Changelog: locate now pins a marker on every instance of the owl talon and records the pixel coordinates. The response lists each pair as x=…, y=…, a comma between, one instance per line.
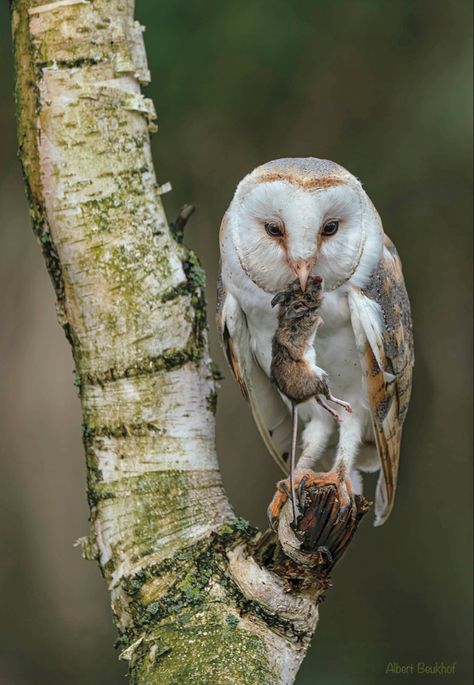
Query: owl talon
x=326, y=554
x=304, y=479
x=272, y=522
x=276, y=505
x=349, y=503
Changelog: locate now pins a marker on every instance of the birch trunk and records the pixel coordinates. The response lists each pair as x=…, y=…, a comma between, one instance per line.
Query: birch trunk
x=198, y=597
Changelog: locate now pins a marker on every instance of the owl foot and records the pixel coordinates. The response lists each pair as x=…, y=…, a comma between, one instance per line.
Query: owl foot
x=306, y=478
x=302, y=477
x=340, y=480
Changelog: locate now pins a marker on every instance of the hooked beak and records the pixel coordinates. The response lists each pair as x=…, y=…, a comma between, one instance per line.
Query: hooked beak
x=302, y=268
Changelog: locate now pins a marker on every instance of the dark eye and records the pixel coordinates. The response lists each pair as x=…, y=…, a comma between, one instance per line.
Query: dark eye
x=330, y=228
x=274, y=230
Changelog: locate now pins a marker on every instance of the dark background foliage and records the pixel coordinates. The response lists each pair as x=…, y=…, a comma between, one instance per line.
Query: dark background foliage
x=384, y=88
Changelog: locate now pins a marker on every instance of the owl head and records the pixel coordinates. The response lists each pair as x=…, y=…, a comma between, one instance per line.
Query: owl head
x=301, y=217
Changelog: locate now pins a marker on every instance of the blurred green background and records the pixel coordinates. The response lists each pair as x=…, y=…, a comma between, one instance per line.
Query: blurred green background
x=384, y=88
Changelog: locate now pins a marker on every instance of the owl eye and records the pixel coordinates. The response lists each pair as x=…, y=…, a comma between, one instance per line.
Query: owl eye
x=330, y=228
x=274, y=230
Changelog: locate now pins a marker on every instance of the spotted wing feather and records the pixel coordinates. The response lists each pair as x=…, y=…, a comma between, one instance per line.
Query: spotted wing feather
x=382, y=325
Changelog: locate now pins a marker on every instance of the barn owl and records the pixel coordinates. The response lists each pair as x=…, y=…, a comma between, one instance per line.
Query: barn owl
x=304, y=217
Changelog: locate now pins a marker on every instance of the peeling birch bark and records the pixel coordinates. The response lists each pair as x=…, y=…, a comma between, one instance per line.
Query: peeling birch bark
x=198, y=596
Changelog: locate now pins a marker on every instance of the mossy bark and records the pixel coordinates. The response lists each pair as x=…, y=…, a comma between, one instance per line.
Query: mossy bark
x=194, y=600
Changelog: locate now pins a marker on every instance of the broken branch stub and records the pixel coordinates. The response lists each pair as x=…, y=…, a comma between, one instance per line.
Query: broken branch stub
x=323, y=531
x=178, y=225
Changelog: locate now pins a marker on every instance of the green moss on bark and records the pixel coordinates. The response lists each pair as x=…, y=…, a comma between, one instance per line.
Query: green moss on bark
x=192, y=632
x=121, y=282
x=204, y=650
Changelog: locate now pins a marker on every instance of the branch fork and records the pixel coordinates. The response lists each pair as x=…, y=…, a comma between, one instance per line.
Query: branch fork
x=199, y=598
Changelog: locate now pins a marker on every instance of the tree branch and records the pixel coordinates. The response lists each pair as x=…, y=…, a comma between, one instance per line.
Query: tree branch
x=198, y=596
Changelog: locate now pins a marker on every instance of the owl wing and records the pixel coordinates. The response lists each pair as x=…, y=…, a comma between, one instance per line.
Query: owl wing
x=269, y=411
x=382, y=325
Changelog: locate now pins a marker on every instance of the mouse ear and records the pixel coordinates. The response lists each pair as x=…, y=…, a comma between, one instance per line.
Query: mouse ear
x=278, y=298
x=296, y=311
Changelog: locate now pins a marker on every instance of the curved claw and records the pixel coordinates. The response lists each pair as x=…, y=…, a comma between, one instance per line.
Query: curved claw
x=283, y=493
x=272, y=520
x=343, y=510
x=275, y=507
x=304, y=479
x=326, y=554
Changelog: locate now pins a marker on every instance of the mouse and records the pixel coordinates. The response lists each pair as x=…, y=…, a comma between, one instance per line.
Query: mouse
x=293, y=367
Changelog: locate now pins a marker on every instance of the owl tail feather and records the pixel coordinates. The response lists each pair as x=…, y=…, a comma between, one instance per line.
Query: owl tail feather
x=382, y=506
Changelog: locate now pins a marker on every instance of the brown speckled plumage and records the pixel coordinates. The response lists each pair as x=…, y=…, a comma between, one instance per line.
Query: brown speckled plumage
x=389, y=399
x=387, y=288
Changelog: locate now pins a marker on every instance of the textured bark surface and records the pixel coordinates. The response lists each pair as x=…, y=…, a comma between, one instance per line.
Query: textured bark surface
x=198, y=597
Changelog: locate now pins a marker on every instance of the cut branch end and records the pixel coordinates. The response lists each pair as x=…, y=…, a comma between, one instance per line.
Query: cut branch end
x=323, y=531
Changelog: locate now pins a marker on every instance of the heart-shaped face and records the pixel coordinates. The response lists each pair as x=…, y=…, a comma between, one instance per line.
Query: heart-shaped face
x=281, y=229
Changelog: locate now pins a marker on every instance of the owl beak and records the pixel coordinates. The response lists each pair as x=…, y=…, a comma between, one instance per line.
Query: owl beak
x=302, y=269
